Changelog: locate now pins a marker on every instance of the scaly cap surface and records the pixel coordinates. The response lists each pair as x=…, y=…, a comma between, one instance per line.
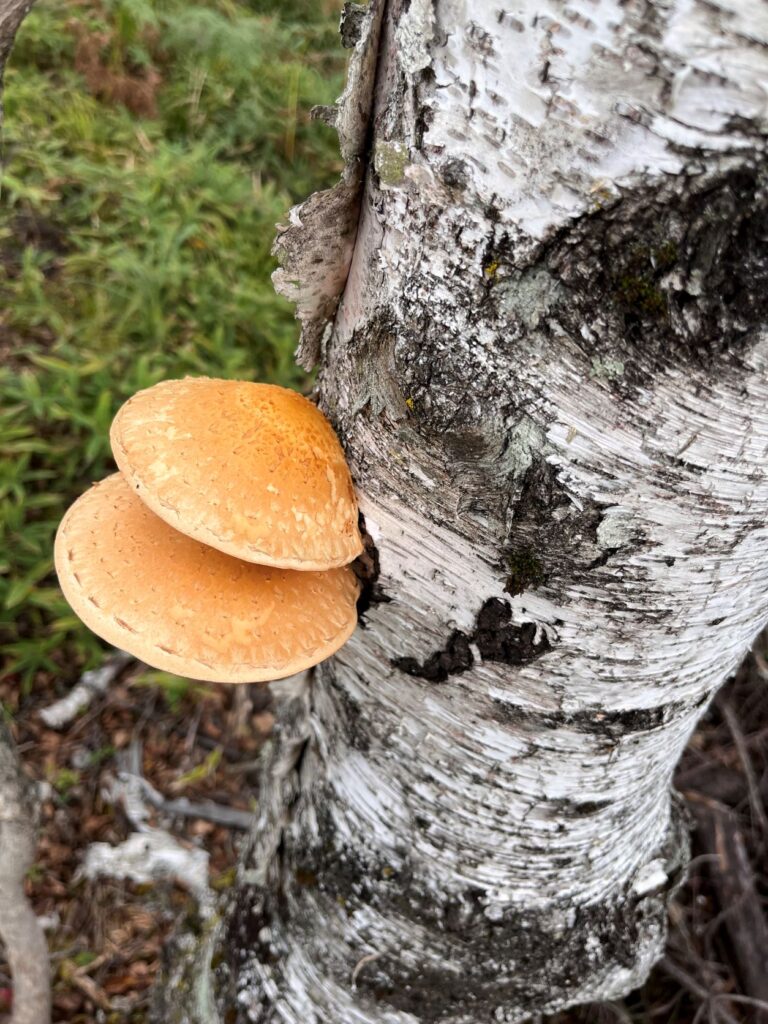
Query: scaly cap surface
x=186, y=608
x=254, y=470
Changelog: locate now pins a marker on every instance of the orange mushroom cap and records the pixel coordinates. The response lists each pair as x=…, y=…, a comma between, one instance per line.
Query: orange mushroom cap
x=187, y=608
x=254, y=470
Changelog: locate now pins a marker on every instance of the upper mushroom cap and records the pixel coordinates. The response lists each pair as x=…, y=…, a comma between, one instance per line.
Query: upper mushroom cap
x=186, y=608
x=254, y=470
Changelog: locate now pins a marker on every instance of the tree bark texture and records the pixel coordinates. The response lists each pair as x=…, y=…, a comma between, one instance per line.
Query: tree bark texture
x=12, y=13
x=548, y=368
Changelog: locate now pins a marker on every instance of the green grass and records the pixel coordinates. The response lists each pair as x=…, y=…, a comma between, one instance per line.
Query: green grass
x=149, y=148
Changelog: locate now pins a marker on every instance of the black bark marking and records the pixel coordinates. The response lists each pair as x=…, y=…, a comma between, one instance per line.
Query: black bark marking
x=602, y=559
x=480, y=40
x=496, y=638
x=585, y=808
x=454, y=658
x=455, y=174
x=595, y=721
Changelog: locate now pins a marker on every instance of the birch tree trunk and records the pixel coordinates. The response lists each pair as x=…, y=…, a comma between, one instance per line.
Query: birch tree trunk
x=548, y=367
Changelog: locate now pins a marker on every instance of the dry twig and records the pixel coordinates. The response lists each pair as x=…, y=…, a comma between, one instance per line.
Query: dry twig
x=755, y=797
x=737, y=893
x=91, y=684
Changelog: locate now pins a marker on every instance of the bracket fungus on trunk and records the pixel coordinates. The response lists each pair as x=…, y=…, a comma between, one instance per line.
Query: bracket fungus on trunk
x=254, y=470
x=222, y=549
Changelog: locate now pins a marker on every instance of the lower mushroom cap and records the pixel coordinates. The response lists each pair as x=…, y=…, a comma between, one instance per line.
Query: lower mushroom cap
x=187, y=608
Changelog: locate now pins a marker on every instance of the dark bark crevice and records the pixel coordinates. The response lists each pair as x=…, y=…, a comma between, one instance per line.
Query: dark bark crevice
x=644, y=282
x=367, y=568
x=609, y=725
x=677, y=277
x=550, y=539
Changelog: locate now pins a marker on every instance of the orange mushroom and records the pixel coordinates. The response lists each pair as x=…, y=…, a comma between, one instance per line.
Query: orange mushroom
x=254, y=470
x=188, y=608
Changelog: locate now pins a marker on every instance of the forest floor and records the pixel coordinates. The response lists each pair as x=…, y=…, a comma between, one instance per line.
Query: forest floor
x=192, y=743
x=202, y=743
x=149, y=147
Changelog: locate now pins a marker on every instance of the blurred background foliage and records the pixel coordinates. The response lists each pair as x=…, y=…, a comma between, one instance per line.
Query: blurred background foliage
x=149, y=148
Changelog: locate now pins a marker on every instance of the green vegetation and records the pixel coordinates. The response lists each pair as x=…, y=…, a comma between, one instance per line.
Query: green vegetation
x=173, y=689
x=149, y=148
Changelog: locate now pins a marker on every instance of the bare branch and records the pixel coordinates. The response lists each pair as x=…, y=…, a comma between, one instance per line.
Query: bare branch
x=91, y=684
x=20, y=931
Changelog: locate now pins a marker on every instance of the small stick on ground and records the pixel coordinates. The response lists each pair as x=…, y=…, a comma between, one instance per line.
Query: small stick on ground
x=755, y=797
x=737, y=893
x=136, y=793
x=208, y=810
x=91, y=684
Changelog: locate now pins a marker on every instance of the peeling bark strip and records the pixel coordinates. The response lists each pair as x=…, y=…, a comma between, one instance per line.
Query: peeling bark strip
x=315, y=247
x=550, y=371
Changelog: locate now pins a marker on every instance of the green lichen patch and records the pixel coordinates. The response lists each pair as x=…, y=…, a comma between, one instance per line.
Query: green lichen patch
x=607, y=369
x=638, y=293
x=665, y=257
x=389, y=161
x=529, y=296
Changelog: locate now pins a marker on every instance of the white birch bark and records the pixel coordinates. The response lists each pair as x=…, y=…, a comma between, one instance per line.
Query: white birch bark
x=548, y=368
